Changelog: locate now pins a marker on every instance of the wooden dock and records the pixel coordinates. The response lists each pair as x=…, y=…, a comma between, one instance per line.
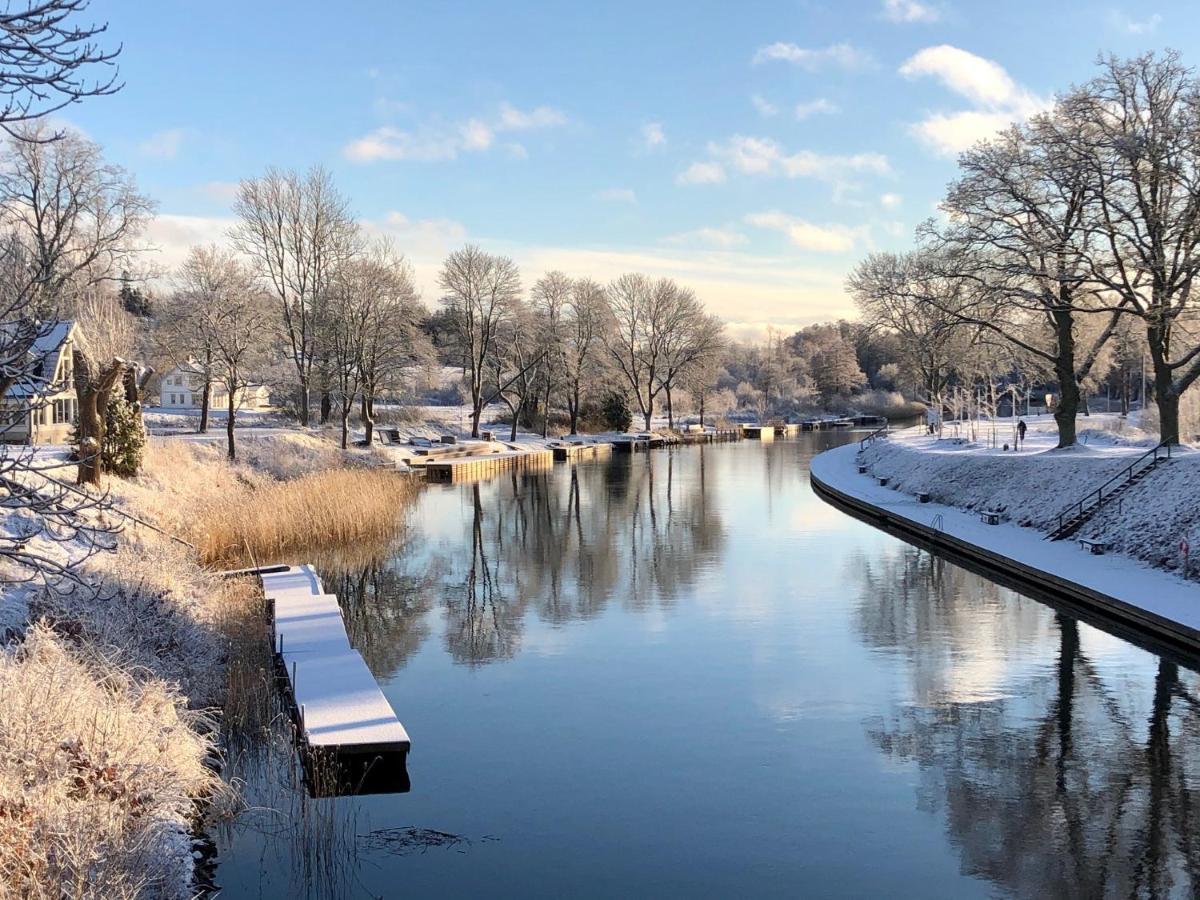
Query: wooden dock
x=342, y=714
x=571, y=451
x=759, y=432
x=485, y=465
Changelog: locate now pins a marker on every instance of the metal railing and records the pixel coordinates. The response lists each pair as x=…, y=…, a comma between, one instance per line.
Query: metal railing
x=870, y=438
x=1095, y=499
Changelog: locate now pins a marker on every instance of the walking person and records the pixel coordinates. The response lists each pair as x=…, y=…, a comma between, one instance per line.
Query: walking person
x=1021, y=427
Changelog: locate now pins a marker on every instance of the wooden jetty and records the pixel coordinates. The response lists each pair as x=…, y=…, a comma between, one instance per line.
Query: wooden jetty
x=342, y=715
x=787, y=429
x=570, y=451
x=487, y=464
x=759, y=432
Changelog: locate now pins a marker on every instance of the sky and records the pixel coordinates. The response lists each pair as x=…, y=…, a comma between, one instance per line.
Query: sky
x=753, y=150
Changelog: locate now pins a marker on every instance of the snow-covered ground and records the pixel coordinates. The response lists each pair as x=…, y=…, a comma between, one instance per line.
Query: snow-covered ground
x=1151, y=595
x=1032, y=486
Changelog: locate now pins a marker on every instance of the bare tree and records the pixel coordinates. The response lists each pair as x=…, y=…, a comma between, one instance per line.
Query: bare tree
x=551, y=297
x=206, y=280
x=642, y=310
x=482, y=293
x=46, y=58
x=1138, y=136
x=515, y=368
x=690, y=336
x=391, y=335
x=239, y=324
x=587, y=321
x=299, y=231
x=1018, y=233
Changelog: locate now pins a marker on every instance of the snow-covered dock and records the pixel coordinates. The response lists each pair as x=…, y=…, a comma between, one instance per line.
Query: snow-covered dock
x=483, y=466
x=569, y=451
x=1113, y=587
x=340, y=707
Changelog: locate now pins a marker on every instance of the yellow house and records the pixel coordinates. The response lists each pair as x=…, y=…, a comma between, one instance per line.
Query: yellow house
x=182, y=388
x=42, y=408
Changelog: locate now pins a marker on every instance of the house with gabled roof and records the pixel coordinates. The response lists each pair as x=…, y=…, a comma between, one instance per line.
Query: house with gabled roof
x=41, y=407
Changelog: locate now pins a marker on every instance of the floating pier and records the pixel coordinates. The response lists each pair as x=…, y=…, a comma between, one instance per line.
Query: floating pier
x=483, y=466
x=759, y=432
x=571, y=451
x=342, y=715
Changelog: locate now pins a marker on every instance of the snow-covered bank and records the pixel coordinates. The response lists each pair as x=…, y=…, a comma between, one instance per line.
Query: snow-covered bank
x=1113, y=584
x=1033, y=486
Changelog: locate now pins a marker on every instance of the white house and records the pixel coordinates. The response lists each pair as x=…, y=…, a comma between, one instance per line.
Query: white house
x=42, y=408
x=182, y=388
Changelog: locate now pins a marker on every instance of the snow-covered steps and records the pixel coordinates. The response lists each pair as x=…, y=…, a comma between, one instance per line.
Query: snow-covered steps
x=340, y=708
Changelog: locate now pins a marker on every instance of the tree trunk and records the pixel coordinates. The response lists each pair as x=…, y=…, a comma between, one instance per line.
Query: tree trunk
x=1165, y=396
x=1064, y=371
x=573, y=408
x=305, y=399
x=702, y=410
x=546, y=411
x=326, y=407
x=670, y=409
x=205, y=400
x=92, y=391
x=345, y=416
x=367, y=411
x=516, y=415
x=476, y=413
x=229, y=424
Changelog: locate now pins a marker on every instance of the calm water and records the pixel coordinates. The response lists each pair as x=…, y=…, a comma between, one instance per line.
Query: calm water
x=682, y=674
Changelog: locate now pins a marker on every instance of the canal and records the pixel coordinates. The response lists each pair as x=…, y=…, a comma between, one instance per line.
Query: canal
x=683, y=674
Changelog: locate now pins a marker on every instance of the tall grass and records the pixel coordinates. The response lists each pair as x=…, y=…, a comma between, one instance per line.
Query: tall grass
x=270, y=523
x=99, y=769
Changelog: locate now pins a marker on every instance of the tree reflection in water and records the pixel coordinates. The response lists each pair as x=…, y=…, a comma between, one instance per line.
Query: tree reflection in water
x=557, y=544
x=1060, y=780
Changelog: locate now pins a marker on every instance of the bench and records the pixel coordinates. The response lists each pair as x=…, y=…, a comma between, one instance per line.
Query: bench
x=990, y=517
x=862, y=468
x=1091, y=545
x=449, y=439
x=883, y=480
x=922, y=497
x=487, y=435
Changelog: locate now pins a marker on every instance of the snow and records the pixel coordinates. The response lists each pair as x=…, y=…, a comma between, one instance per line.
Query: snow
x=341, y=703
x=1033, y=486
x=917, y=460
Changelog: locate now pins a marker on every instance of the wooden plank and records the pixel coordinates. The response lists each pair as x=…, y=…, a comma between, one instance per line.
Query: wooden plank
x=343, y=708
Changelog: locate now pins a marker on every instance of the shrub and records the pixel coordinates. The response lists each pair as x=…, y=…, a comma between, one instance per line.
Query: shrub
x=615, y=413
x=124, y=445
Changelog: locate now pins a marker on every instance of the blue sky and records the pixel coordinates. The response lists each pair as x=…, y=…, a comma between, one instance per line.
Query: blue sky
x=753, y=150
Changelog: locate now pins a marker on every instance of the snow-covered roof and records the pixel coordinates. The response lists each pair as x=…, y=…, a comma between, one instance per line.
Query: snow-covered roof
x=44, y=357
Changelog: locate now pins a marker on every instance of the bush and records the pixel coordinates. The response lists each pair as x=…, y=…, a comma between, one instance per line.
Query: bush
x=124, y=445
x=615, y=413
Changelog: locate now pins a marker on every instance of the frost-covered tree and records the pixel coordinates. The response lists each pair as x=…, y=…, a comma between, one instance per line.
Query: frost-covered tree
x=482, y=293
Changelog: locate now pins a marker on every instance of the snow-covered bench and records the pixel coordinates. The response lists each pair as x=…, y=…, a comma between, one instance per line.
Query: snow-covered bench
x=1093, y=545
x=989, y=516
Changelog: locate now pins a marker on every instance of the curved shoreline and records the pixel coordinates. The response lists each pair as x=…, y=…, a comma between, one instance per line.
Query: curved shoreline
x=1145, y=627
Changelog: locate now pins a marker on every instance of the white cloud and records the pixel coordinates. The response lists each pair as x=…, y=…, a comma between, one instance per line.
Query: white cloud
x=163, y=144
x=432, y=144
x=909, y=11
x=765, y=107
x=820, y=106
x=476, y=135
x=890, y=201
x=997, y=98
x=172, y=236
x=838, y=56
x=719, y=238
x=749, y=291
x=701, y=173
x=513, y=119
x=806, y=235
x=1123, y=22
x=764, y=156
x=617, y=195
x=219, y=191
x=653, y=136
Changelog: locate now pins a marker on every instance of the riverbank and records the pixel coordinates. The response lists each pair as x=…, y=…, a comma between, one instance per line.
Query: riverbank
x=1114, y=584
x=113, y=692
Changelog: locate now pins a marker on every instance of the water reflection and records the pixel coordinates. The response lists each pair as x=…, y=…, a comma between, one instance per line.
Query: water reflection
x=1054, y=778
x=788, y=701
